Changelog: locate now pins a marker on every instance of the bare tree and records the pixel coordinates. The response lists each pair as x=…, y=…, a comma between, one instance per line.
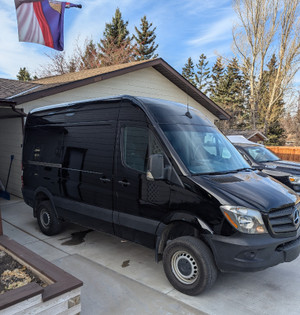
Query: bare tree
x=59, y=64
x=291, y=122
x=267, y=27
x=114, y=54
x=85, y=56
x=89, y=57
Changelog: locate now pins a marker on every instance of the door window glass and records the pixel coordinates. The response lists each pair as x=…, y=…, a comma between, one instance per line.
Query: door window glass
x=138, y=144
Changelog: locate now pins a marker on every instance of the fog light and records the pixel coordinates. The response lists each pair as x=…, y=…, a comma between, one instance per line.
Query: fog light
x=249, y=255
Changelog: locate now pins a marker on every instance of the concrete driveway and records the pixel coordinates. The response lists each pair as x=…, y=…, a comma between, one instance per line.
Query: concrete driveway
x=121, y=277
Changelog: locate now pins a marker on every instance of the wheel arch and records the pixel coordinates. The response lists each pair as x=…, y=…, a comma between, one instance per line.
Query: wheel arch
x=180, y=224
x=41, y=194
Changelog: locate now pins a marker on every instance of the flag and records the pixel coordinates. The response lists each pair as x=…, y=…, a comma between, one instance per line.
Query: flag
x=42, y=21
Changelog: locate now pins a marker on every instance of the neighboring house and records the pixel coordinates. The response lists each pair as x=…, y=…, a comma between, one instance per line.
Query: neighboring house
x=251, y=135
x=152, y=78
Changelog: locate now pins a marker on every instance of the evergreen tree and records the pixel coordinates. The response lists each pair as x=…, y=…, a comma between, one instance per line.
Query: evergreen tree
x=188, y=71
x=276, y=134
x=228, y=91
x=145, y=40
x=234, y=99
x=203, y=74
x=116, y=47
x=215, y=88
x=23, y=75
x=116, y=30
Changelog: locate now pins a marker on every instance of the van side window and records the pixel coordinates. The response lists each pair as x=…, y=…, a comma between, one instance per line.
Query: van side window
x=137, y=144
x=45, y=144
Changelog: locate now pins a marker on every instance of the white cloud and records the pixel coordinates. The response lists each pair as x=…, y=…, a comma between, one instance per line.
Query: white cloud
x=199, y=8
x=14, y=54
x=219, y=31
x=8, y=3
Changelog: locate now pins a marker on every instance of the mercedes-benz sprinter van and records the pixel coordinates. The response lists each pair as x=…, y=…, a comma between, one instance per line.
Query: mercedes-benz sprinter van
x=160, y=174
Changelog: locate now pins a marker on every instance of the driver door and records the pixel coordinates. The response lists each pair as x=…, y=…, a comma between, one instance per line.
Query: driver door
x=140, y=203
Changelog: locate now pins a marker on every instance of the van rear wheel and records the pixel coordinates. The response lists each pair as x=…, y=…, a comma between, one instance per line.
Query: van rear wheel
x=48, y=221
x=189, y=265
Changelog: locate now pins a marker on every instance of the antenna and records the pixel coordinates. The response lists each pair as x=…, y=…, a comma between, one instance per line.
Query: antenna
x=188, y=114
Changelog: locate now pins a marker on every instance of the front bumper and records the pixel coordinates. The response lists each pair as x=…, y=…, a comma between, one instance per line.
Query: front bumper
x=245, y=252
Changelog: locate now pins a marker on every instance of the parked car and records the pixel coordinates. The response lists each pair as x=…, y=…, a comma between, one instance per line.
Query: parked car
x=160, y=174
x=258, y=156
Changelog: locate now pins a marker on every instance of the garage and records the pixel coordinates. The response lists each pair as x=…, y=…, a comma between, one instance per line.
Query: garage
x=11, y=133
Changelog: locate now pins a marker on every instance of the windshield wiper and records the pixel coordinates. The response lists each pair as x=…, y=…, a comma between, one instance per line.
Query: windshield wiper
x=266, y=161
x=217, y=173
x=244, y=169
x=227, y=172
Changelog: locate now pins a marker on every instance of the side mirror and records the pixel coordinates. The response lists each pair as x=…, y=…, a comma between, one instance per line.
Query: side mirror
x=155, y=167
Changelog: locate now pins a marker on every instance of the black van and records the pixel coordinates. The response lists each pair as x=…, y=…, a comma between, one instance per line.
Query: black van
x=160, y=174
x=258, y=156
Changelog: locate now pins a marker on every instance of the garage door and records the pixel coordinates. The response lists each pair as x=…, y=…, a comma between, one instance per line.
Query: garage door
x=11, y=138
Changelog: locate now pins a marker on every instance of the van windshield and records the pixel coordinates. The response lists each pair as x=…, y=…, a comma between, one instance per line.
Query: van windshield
x=204, y=150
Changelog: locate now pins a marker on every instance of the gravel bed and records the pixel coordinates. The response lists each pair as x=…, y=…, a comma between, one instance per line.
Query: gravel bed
x=14, y=275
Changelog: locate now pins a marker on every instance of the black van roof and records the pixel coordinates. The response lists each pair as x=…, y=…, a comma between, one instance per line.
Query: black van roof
x=162, y=111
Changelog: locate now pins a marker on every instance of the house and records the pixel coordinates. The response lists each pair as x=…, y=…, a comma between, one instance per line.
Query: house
x=151, y=78
x=251, y=135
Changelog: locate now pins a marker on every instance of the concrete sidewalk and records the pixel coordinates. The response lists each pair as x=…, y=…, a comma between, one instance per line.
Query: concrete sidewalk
x=121, y=277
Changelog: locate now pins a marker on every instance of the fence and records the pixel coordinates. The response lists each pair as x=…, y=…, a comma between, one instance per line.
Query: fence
x=287, y=153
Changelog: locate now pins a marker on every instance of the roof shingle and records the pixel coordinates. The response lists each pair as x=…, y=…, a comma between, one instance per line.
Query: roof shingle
x=10, y=88
x=83, y=74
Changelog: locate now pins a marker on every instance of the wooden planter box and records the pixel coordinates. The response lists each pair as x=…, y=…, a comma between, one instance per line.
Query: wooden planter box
x=60, y=296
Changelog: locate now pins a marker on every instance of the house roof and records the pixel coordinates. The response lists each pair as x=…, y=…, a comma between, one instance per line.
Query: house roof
x=248, y=134
x=9, y=88
x=21, y=92
x=84, y=74
x=8, y=110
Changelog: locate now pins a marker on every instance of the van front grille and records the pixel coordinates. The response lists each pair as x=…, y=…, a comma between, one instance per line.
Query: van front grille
x=284, y=221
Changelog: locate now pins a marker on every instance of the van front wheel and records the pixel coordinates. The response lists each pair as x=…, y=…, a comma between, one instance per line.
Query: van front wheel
x=48, y=222
x=189, y=265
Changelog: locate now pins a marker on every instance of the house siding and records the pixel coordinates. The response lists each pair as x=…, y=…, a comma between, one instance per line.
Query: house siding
x=146, y=82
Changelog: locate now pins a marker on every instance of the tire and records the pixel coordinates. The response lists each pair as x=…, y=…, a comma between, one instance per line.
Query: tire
x=48, y=221
x=189, y=265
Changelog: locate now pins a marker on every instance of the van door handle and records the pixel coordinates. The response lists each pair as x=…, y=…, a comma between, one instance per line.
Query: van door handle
x=124, y=182
x=104, y=180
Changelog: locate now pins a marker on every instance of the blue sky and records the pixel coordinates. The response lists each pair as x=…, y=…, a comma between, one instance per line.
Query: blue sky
x=184, y=28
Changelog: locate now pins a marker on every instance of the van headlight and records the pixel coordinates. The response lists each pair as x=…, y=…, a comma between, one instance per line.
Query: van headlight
x=294, y=179
x=244, y=220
